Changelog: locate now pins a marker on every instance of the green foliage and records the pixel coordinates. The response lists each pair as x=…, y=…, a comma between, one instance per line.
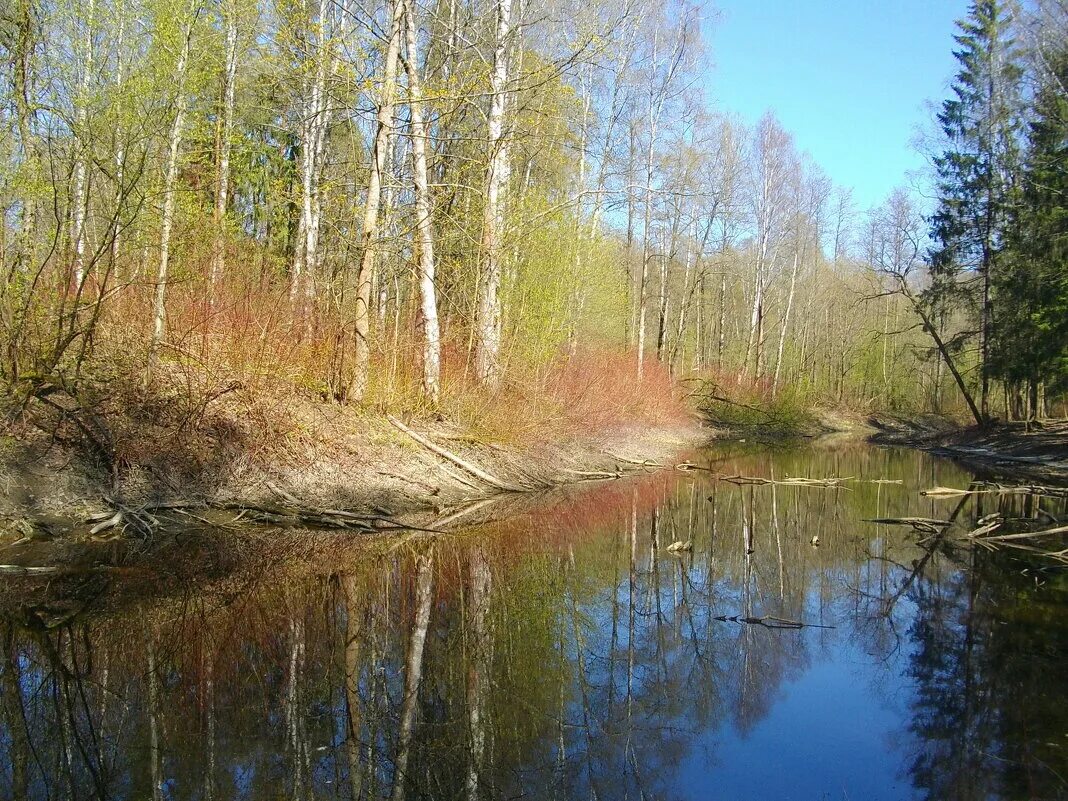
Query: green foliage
x=978, y=171
x=1032, y=292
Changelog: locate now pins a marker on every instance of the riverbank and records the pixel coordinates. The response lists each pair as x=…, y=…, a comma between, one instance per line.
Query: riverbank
x=293, y=460
x=1037, y=450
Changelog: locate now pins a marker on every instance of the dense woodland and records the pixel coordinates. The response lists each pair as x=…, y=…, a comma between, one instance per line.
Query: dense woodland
x=401, y=203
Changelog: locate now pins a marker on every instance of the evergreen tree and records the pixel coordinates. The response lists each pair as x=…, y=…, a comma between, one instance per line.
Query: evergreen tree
x=977, y=171
x=1032, y=292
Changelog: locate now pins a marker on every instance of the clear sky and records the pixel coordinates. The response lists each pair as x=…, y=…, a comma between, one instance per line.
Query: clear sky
x=848, y=78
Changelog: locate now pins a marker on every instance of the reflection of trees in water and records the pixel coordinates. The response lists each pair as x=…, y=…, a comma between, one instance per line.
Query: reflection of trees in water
x=989, y=717
x=985, y=639
x=558, y=656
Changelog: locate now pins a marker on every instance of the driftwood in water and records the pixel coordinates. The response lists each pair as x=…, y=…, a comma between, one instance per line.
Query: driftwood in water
x=997, y=489
x=474, y=470
x=985, y=528
x=26, y=570
x=119, y=515
x=925, y=524
x=1027, y=535
x=770, y=622
x=688, y=466
x=983, y=535
x=785, y=482
x=645, y=463
x=594, y=475
x=306, y=516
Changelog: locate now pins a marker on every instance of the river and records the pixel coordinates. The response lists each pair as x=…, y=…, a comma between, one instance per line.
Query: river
x=563, y=652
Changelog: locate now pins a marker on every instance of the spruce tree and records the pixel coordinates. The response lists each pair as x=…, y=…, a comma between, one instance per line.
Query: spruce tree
x=977, y=171
x=1031, y=348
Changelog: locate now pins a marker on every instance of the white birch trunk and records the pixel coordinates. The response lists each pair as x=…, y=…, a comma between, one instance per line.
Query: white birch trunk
x=429, y=331
x=413, y=671
x=171, y=178
x=479, y=661
x=120, y=151
x=488, y=322
x=80, y=200
x=785, y=324
x=362, y=359
x=222, y=189
x=643, y=275
x=314, y=122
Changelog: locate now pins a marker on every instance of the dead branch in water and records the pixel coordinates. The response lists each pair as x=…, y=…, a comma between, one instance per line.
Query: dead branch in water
x=1027, y=535
x=983, y=535
x=311, y=517
x=927, y=525
x=119, y=515
x=645, y=463
x=594, y=475
x=997, y=489
x=688, y=466
x=27, y=570
x=786, y=482
x=770, y=622
x=477, y=472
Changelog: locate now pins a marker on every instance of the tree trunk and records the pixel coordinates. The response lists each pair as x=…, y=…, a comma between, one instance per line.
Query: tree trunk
x=120, y=151
x=479, y=662
x=785, y=324
x=944, y=351
x=171, y=178
x=488, y=323
x=354, y=637
x=224, y=147
x=428, y=302
x=413, y=671
x=647, y=211
x=362, y=361
x=79, y=202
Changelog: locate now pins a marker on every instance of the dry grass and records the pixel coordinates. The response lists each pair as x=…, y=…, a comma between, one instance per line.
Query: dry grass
x=245, y=387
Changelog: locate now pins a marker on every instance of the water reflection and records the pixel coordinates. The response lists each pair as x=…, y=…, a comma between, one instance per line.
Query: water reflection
x=565, y=653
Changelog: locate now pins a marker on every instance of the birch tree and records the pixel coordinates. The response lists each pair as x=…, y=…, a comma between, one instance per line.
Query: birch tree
x=80, y=200
x=428, y=303
x=368, y=238
x=488, y=321
x=177, y=131
x=769, y=198
x=316, y=65
x=224, y=136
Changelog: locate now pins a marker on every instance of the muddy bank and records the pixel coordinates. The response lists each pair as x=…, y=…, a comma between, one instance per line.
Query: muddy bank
x=361, y=473
x=1037, y=451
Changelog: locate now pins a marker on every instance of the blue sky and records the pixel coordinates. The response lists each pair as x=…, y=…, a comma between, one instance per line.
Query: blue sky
x=848, y=78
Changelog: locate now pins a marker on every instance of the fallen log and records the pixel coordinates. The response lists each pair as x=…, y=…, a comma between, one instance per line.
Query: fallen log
x=646, y=463
x=474, y=470
x=996, y=489
x=787, y=482
x=1025, y=535
x=28, y=570
x=926, y=525
x=770, y=622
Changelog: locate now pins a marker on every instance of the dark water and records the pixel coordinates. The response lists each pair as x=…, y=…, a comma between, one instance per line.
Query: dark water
x=564, y=653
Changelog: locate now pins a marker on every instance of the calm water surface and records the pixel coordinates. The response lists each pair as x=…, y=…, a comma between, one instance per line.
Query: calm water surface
x=563, y=652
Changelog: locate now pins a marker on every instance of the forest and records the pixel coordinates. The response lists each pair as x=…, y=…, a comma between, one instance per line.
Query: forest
x=452, y=206
x=422, y=400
